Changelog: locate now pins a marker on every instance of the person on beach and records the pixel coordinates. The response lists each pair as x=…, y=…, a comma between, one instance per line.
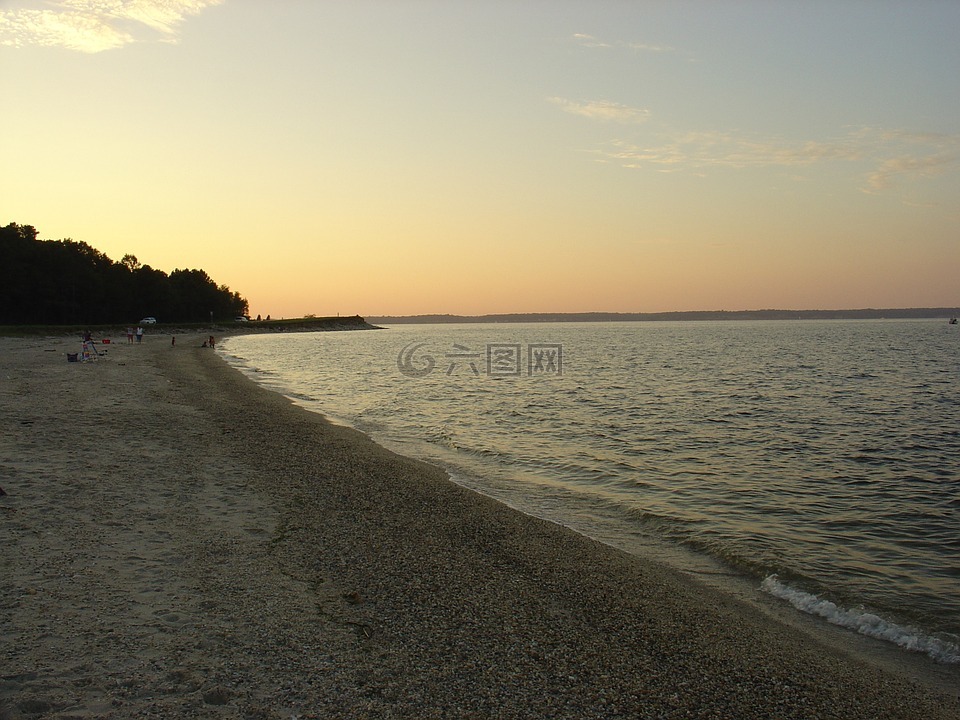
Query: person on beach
x=129, y=336
x=212, y=344
x=139, y=334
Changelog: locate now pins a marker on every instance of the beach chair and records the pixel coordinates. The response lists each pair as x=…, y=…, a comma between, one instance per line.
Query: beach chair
x=89, y=351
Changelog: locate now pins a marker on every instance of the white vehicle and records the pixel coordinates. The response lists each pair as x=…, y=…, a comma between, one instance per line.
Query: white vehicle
x=149, y=321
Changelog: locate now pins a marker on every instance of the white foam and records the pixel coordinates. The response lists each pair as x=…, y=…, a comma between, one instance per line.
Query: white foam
x=864, y=622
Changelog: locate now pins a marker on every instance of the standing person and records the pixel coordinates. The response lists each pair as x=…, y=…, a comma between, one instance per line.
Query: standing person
x=211, y=341
x=129, y=336
x=139, y=334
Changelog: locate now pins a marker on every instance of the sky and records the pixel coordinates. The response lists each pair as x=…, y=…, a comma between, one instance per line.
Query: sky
x=402, y=157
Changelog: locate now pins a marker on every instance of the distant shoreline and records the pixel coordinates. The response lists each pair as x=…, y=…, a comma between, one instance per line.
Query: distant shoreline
x=356, y=322
x=308, y=324
x=861, y=314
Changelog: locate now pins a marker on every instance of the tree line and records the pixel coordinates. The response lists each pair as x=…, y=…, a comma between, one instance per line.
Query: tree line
x=64, y=282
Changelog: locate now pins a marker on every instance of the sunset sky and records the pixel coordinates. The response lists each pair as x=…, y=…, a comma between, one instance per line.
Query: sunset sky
x=484, y=156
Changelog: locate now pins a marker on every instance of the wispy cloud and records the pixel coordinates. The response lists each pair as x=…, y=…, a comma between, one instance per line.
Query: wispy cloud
x=647, y=47
x=591, y=41
x=888, y=155
x=699, y=150
x=925, y=166
x=602, y=110
x=93, y=26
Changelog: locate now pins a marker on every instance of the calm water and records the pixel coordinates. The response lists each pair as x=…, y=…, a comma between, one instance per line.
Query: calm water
x=820, y=458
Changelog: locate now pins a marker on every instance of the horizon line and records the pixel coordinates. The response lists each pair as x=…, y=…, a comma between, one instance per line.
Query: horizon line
x=768, y=313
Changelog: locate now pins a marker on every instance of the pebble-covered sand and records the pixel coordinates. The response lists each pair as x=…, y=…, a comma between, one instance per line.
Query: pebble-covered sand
x=179, y=543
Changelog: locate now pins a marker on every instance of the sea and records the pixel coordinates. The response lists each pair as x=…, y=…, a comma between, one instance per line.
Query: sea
x=817, y=459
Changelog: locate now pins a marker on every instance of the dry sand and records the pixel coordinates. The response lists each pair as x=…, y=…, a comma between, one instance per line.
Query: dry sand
x=178, y=542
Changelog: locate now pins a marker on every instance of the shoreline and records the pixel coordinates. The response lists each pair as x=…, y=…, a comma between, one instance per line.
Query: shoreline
x=898, y=645
x=183, y=541
x=250, y=327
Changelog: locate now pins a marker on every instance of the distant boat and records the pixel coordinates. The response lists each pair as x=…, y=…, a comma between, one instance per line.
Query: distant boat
x=953, y=321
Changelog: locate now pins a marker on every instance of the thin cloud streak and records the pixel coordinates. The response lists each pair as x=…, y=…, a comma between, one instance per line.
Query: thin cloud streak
x=589, y=41
x=928, y=166
x=92, y=26
x=713, y=149
x=602, y=110
x=886, y=150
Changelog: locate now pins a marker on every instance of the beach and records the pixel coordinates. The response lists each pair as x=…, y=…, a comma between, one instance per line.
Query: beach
x=179, y=542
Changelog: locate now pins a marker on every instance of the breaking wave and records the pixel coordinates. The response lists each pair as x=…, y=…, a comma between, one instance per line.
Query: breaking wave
x=863, y=622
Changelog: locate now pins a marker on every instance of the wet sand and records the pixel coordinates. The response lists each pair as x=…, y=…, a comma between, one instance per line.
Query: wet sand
x=178, y=542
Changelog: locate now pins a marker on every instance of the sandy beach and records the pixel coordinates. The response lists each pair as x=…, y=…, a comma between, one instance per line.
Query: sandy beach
x=178, y=542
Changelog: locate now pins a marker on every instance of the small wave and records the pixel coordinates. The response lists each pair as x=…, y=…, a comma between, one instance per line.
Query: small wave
x=863, y=622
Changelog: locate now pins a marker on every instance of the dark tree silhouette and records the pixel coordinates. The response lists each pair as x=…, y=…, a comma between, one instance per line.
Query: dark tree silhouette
x=64, y=282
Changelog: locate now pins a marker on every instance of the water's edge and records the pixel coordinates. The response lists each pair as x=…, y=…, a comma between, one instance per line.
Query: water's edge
x=927, y=660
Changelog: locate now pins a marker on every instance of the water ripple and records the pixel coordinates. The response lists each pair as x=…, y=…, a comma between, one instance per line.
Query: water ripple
x=824, y=452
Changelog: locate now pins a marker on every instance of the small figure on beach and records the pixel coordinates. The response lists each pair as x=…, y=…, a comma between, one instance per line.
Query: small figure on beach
x=173, y=341
x=211, y=342
x=129, y=336
x=139, y=334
